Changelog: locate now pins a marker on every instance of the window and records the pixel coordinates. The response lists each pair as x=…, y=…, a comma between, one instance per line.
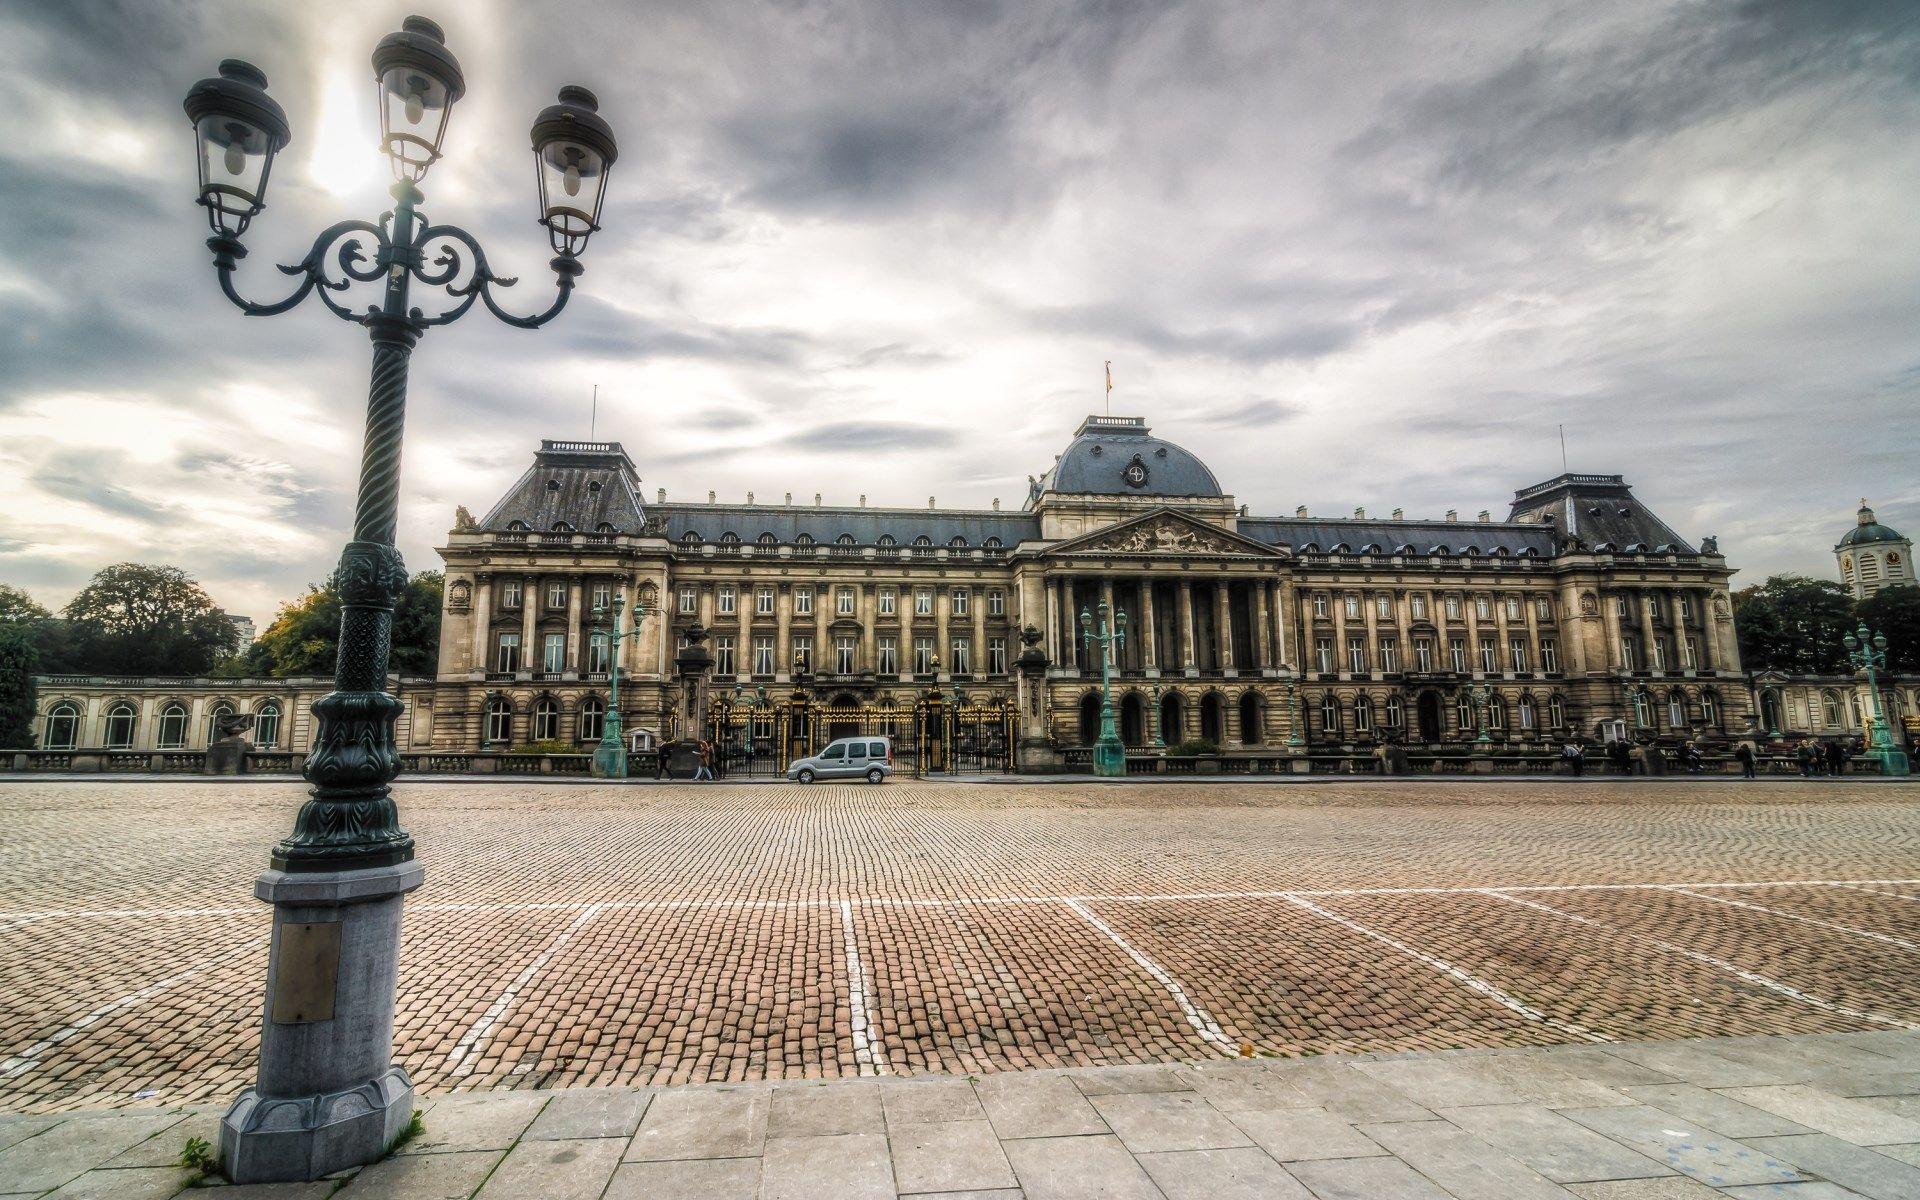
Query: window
x=1383, y=605
x=996, y=656
x=1457, y=654
x=1453, y=606
x=1488, y=664
x=1356, y=655
x=1642, y=709
x=1329, y=712
x=1320, y=604
x=266, y=724
x=726, y=601
x=1517, y=654
x=173, y=727
x=889, y=656
x=1689, y=652
x=546, y=719
x=889, y=602
x=843, y=648
x=120, y=723
x=556, y=596
x=1463, y=714
x=923, y=603
x=510, y=593
x=1528, y=714
x=1353, y=606
x=499, y=720
x=804, y=539
x=1556, y=711
x=1513, y=608
x=507, y=657
x=1394, y=714
x=763, y=654
x=593, y=715
x=843, y=545
x=1549, y=656
x=1423, y=654
x=843, y=601
x=599, y=653
x=1482, y=607
x=1323, y=654
x=602, y=595
x=763, y=601
x=1419, y=606
x=1363, y=714
x=1710, y=709
x=996, y=603
x=1686, y=607
x=803, y=653
x=1543, y=608
x=957, y=604
x=63, y=727
x=1389, y=654
x=1496, y=712
x=803, y=602
x=922, y=655
x=553, y=654
x=767, y=539
x=689, y=600
x=1622, y=607
x=1676, y=710
x=217, y=714
x=962, y=661
x=1629, y=653
x=723, y=655
x=1659, y=654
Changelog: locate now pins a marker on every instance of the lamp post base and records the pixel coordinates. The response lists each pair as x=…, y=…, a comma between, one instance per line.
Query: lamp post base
x=1109, y=757
x=327, y=1096
x=610, y=762
x=1893, y=760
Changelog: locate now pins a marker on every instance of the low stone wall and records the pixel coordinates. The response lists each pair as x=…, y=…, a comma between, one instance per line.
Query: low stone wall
x=267, y=762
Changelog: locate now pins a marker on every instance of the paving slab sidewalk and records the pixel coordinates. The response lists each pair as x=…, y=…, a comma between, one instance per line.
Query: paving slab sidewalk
x=1614, y=1122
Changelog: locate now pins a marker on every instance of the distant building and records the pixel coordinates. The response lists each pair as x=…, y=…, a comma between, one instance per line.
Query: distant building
x=1872, y=557
x=245, y=628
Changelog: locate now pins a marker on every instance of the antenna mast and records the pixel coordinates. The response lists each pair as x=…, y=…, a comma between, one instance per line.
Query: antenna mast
x=593, y=422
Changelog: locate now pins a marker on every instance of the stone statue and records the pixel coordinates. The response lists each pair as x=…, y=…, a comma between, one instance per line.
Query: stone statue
x=228, y=755
x=1709, y=545
x=463, y=520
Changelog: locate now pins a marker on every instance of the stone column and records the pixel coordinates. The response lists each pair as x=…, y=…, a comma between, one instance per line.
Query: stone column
x=1288, y=626
x=1470, y=612
x=1648, y=630
x=575, y=598
x=1340, y=634
x=1187, y=661
x=483, y=585
x=907, y=599
x=1223, y=632
x=823, y=603
x=1051, y=587
x=1149, y=651
x=1709, y=633
x=1616, y=636
x=868, y=610
x=530, y=599
x=783, y=633
x=1679, y=620
x=1501, y=657
x=942, y=646
x=979, y=608
x=1370, y=613
x=1529, y=609
x=1106, y=598
x=1403, y=623
x=1262, y=625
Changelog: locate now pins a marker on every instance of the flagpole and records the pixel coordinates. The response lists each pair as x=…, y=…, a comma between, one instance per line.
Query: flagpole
x=593, y=422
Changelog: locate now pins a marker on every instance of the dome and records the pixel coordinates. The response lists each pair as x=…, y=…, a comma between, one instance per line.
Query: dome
x=1869, y=530
x=1118, y=456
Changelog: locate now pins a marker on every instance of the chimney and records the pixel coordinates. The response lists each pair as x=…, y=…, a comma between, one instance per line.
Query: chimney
x=789, y=499
x=1399, y=514
x=1300, y=512
x=1453, y=514
x=711, y=497
x=749, y=497
x=663, y=497
x=930, y=502
x=816, y=499
x=996, y=504
x=1359, y=514
x=863, y=500
x=1485, y=516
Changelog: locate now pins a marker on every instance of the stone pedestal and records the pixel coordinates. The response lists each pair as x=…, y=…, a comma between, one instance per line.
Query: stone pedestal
x=1038, y=756
x=327, y=1096
x=1647, y=760
x=228, y=756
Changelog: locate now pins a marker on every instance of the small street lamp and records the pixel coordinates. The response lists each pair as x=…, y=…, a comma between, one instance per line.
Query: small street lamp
x=1159, y=736
x=1109, y=754
x=1296, y=714
x=1480, y=693
x=610, y=756
x=1867, y=651
x=327, y=1095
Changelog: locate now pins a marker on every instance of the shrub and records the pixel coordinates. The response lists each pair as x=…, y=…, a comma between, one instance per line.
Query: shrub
x=1195, y=746
x=551, y=746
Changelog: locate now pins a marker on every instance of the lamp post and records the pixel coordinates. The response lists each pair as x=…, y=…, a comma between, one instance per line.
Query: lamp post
x=1109, y=755
x=327, y=1095
x=1629, y=700
x=1479, y=693
x=1296, y=716
x=610, y=757
x=1159, y=735
x=1867, y=651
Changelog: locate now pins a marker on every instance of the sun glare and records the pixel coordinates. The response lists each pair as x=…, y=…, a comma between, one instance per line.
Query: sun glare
x=346, y=154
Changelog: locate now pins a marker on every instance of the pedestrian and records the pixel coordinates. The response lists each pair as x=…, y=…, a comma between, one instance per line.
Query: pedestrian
x=1836, y=758
x=1690, y=754
x=1803, y=754
x=1576, y=761
x=705, y=769
x=1744, y=752
x=1619, y=755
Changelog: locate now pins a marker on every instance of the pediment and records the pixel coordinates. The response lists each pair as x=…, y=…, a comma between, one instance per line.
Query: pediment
x=1165, y=531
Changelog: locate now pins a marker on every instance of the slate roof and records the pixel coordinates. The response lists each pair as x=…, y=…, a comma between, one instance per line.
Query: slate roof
x=591, y=486
x=825, y=524
x=1390, y=536
x=1601, y=511
x=1095, y=460
x=1868, y=530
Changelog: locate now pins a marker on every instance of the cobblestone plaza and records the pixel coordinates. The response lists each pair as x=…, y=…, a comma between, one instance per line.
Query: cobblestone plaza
x=574, y=935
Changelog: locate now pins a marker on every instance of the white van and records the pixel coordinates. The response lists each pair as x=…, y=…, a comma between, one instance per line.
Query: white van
x=847, y=758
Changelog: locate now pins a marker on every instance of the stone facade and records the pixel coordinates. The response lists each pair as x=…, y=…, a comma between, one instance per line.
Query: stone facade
x=1872, y=556
x=154, y=714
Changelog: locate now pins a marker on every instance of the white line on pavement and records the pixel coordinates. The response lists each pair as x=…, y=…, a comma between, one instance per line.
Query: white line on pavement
x=29, y=1058
x=1448, y=969
x=1774, y=912
x=1772, y=985
x=865, y=1048
x=461, y=1059
x=1202, y=1021
x=1855, y=887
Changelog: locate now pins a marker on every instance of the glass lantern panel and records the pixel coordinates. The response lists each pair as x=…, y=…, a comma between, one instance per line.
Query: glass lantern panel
x=233, y=169
x=413, y=119
x=573, y=179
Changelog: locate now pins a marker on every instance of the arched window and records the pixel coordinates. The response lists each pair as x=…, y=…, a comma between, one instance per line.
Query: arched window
x=546, y=719
x=1249, y=719
x=214, y=717
x=516, y=526
x=1395, y=716
x=886, y=539
x=1830, y=702
x=957, y=542
x=121, y=719
x=1676, y=709
x=1642, y=709
x=1710, y=709
x=1363, y=714
x=805, y=539
x=173, y=727
x=1529, y=713
x=1496, y=711
x=730, y=538
x=1556, y=711
x=1329, y=712
x=767, y=539
x=499, y=720
x=63, y=727
x=845, y=539
x=593, y=714
x=689, y=538
x=923, y=540
x=266, y=725
x=992, y=543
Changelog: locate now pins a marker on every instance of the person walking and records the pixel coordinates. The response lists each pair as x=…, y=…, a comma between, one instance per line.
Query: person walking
x=1836, y=758
x=1690, y=754
x=1744, y=752
x=705, y=769
x=1576, y=761
x=1803, y=754
x=1618, y=754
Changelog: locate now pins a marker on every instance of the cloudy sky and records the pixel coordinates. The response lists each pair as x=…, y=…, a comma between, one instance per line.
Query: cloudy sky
x=1349, y=253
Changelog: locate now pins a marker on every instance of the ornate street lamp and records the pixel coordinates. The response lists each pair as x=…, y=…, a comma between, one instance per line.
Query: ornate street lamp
x=1159, y=737
x=327, y=1095
x=1109, y=754
x=610, y=756
x=1480, y=693
x=1296, y=715
x=1867, y=651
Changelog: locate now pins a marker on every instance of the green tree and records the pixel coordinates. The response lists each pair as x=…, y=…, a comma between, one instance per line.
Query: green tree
x=19, y=659
x=1895, y=612
x=1792, y=623
x=136, y=619
x=305, y=635
x=18, y=608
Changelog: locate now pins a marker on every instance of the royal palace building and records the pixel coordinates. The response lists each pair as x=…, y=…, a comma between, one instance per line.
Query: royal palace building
x=1579, y=609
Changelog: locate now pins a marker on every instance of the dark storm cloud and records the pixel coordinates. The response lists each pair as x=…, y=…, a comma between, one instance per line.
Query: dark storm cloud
x=856, y=438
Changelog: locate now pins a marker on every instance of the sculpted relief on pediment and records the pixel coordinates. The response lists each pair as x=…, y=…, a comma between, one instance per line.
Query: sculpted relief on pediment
x=1163, y=535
